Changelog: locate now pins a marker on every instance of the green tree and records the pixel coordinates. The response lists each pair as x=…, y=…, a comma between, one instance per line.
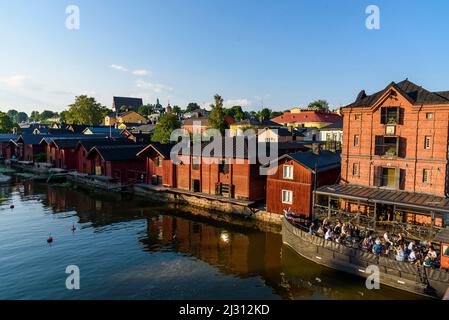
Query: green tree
x=21, y=117
x=146, y=110
x=236, y=112
x=216, y=117
x=275, y=114
x=319, y=105
x=176, y=110
x=12, y=114
x=34, y=116
x=167, y=123
x=47, y=114
x=6, y=124
x=85, y=110
x=192, y=106
x=264, y=114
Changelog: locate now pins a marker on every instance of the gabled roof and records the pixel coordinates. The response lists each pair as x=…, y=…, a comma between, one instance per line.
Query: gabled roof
x=307, y=116
x=117, y=152
x=90, y=143
x=202, y=121
x=255, y=122
x=144, y=128
x=415, y=94
x=102, y=130
x=33, y=139
x=134, y=103
x=162, y=149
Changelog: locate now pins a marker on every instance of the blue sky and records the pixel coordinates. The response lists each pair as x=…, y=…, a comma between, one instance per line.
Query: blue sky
x=284, y=53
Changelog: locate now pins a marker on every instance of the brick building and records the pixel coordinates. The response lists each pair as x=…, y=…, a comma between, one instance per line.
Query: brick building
x=395, y=156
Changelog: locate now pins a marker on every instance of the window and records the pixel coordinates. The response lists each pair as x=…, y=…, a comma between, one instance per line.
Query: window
x=357, y=116
x=429, y=115
x=223, y=168
x=426, y=176
x=427, y=142
x=288, y=172
x=390, y=115
x=157, y=162
x=355, y=169
x=287, y=196
x=356, y=140
x=446, y=250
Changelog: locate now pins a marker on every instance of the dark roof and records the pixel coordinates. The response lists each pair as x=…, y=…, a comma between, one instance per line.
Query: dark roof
x=333, y=126
x=380, y=195
x=33, y=139
x=117, y=152
x=90, y=143
x=415, y=94
x=256, y=122
x=323, y=161
x=103, y=130
x=7, y=137
x=133, y=103
x=162, y=149
x=443, y=236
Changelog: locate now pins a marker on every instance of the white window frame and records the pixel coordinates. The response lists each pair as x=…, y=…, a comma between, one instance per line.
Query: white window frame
x=287, y=176
x=287, y=196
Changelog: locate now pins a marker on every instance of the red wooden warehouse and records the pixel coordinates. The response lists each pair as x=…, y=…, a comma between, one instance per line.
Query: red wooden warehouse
x=291, y=185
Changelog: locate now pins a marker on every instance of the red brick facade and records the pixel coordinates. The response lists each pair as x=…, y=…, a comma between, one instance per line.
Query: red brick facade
x=410, y=153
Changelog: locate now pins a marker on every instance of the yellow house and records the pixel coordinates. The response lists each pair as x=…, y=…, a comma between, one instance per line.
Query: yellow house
x=237, y=129
x=126, y=117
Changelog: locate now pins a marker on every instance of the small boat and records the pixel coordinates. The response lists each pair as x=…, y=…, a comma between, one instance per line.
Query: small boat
x=401, y=275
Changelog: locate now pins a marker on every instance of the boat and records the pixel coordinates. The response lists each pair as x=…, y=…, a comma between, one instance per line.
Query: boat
x=413, y=278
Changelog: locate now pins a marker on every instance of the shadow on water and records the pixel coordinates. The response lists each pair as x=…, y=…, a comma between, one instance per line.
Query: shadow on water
x=237, y=250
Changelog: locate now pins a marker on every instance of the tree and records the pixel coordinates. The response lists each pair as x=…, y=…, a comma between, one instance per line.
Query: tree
x=319, y=105
x=275, y=114
x=264, y=114
x=236, y=112
x=192, y=106
x=85, y=110
x=216, y=117
x=6, y=124
x=34, y=116
x=176, y=110
x=12, y=114
x=146, y=110
x=167, y=123
x=21, y=117
x=47, y=114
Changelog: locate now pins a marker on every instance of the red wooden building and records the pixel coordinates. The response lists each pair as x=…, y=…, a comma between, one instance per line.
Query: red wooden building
x=160, y=169
x=295, y=177
x=119, y=162
x=5, y=145
x=28, y=148
x=84, y=165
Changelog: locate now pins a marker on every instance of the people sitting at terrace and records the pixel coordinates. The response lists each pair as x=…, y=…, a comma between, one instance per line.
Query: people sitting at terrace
x=366, y=245
x=400, y=253
x=328, y=235
x=412, y=258
x=431, y=258
x=377, y=248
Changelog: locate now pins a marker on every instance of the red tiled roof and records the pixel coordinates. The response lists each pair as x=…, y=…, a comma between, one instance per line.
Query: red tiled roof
x=308, y=116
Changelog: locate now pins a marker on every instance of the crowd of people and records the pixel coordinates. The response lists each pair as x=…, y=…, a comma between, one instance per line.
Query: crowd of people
x=396, y=247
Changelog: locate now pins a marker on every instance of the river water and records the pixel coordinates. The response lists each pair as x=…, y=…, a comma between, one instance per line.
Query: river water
x=129, y=248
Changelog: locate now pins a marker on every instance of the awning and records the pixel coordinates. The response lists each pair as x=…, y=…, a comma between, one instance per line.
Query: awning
x=393, y=197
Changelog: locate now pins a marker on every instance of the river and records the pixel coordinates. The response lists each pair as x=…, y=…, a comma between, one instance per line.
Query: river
x=131, y=248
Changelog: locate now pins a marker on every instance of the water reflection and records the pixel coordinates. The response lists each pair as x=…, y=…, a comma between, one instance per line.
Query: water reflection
x=239, y=251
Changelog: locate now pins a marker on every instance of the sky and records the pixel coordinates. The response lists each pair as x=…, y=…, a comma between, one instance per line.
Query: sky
x=254, y=53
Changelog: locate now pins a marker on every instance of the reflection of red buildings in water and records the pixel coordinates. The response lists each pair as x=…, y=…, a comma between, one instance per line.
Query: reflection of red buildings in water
x=230, y=251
